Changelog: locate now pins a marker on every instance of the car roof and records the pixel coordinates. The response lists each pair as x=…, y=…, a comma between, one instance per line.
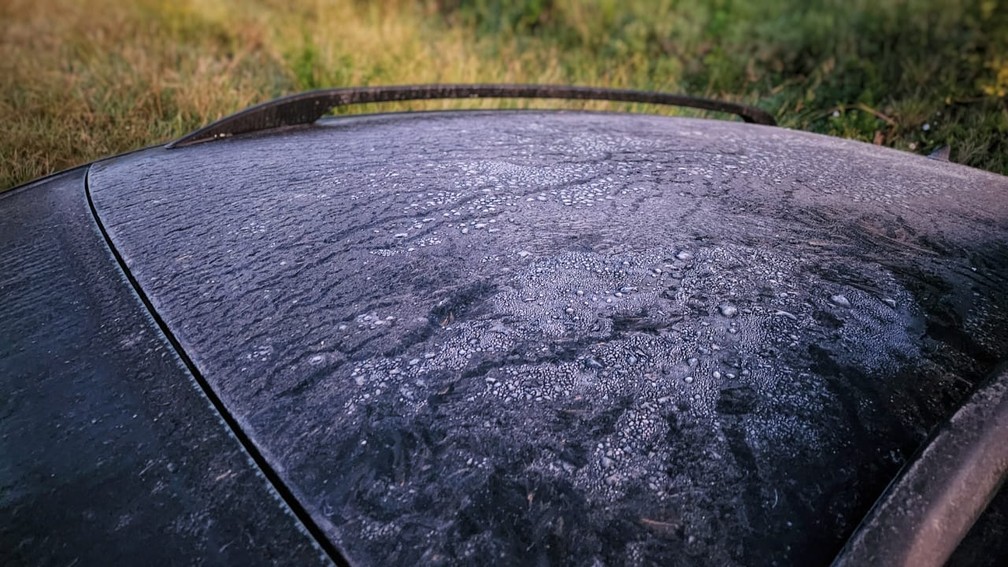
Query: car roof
x=571, y=335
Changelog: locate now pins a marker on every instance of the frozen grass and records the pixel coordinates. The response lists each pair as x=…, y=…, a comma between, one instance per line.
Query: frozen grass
x=82, y=79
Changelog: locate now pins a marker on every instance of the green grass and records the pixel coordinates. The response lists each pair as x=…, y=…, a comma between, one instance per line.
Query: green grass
x=82, y=79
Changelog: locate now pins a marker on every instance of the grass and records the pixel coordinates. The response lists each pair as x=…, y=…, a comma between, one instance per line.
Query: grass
x=83, y=79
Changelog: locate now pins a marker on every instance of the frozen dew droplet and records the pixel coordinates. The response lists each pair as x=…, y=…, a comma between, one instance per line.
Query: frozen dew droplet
x=728, y=310
x=685, y=255
x=688, y=379
x=840, y=300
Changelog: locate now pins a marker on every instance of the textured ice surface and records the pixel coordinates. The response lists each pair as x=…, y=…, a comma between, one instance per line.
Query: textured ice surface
x=573, y=337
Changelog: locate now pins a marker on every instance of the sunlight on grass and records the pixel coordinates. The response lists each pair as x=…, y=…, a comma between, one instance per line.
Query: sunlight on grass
x=89, y=78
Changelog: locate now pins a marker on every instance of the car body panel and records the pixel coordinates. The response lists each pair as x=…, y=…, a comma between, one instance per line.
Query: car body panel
x=563, y=336
x=109, y=452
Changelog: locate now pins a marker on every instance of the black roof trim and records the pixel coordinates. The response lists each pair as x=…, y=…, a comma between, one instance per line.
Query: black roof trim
x=927, y=511
x=306, y=108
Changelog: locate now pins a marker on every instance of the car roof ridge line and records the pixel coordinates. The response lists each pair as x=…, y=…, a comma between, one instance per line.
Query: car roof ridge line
x=272, y=477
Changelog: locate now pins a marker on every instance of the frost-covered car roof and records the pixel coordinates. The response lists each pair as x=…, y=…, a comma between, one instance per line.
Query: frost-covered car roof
x=559, y=337
x=569, y=336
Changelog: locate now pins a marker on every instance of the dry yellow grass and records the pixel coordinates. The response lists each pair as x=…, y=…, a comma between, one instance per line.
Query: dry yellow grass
x=82, y=79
